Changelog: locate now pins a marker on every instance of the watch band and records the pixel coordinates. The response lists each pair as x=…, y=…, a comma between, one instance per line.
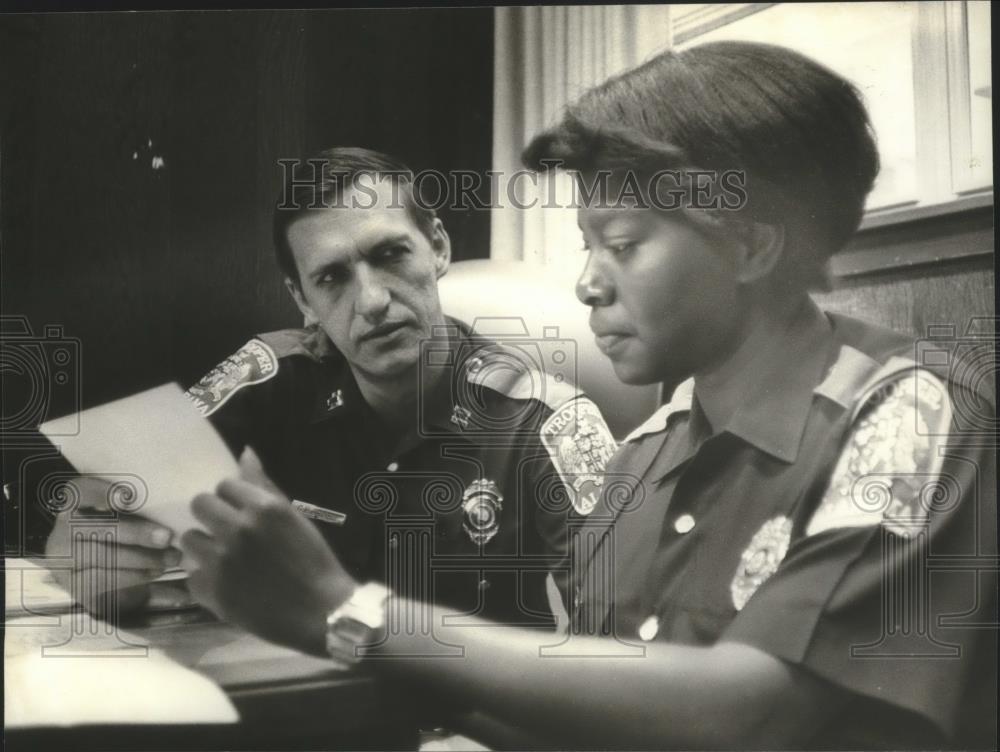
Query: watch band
x=353, y=624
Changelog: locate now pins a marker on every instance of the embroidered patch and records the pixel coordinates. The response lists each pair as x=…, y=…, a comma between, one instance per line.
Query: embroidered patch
x=253, y=363
x=889, y=469
x=760, y=559
x=580, y=445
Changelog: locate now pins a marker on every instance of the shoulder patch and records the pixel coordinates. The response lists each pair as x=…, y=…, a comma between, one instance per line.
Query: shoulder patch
x=254, y=363
x=580, y=445
x=888, y=472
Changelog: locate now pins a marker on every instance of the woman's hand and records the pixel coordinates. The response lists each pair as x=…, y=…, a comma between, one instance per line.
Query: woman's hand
x=263, y=566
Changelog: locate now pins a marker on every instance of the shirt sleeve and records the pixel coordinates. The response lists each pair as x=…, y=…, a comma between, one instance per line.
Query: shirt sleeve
x=891, y=584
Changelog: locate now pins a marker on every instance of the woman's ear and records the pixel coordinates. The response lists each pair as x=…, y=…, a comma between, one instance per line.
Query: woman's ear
x=296, y=292
x=441, y=245
x=760, y=250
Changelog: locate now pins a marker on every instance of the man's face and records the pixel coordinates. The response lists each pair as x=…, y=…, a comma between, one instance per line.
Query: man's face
x=369, y=276
x=663, y=296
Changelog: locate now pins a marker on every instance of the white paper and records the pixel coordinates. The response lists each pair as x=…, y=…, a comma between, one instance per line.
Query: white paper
x=155, y=442
x=66, y=691
x=30, y=589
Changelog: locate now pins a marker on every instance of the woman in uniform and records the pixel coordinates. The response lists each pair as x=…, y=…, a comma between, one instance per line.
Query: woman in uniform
x=766, y=567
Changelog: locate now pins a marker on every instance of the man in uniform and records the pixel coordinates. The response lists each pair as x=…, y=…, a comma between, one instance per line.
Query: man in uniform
x=799, y=550
x=427, y=456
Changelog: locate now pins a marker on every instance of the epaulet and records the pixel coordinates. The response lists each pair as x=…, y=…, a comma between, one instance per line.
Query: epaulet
x=847, y=377
x=890, y=465
x=310, y=342
x=254, y=363
x=492, y=369
x=874, y=340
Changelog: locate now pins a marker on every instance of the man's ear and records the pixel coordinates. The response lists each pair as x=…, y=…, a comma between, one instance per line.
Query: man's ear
x=760, y=249
x=441, y=245
x=296, y=292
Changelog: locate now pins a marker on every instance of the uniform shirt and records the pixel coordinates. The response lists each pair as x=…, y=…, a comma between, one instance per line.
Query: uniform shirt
x=470, y=510
x=840, y=522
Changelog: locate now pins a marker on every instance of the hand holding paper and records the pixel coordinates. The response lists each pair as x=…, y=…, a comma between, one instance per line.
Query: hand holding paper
x=154, y=448
x=144, y=458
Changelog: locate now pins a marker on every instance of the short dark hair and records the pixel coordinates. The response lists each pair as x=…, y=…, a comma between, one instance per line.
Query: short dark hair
x=795, y=127
x=319, y=181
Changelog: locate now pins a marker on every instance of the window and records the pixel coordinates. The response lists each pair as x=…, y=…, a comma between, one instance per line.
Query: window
x=923, y=68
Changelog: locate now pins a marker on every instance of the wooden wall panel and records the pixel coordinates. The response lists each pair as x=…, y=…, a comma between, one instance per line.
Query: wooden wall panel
x=928, y=300
x=161, y=270
x=911, y=301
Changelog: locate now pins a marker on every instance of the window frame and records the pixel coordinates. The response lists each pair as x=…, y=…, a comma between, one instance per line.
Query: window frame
x=942, y=106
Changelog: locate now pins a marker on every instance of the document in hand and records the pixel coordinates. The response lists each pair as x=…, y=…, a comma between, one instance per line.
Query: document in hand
x=155, y=449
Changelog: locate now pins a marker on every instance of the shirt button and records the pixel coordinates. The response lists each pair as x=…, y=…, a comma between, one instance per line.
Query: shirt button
x=684, y=524
x=649, y=628
x=392, y=467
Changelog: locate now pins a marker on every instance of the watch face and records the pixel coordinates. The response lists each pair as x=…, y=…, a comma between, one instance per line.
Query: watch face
x=353, y=624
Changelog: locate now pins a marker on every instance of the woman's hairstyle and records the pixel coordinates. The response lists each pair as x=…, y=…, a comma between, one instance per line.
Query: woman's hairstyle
x=321, y=180
x=797, y=131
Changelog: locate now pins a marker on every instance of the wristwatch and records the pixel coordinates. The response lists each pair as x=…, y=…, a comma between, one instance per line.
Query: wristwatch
x=353, y=624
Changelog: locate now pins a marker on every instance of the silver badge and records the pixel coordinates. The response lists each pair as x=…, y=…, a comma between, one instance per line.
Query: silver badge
x=481, y=505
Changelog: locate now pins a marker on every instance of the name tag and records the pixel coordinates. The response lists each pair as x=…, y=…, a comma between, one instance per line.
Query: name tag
x=319, y=514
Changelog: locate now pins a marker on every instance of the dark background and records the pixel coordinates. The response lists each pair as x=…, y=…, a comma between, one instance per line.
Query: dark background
x=161, y=273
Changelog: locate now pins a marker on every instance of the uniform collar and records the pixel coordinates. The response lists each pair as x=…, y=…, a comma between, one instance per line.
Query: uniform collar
x=774, y=414
x=680, y=402
x=449, y=354
x=338, y=396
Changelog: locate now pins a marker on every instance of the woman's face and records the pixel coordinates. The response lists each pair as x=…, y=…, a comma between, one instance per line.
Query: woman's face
x=663, y=296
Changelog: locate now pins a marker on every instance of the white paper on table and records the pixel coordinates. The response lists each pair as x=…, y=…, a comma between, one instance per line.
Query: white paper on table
x=155, y=442
x=30, y=589
x=108, y=689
